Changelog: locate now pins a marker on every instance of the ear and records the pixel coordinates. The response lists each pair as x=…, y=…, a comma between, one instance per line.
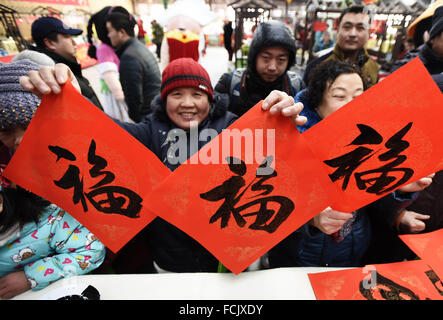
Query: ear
x=123, y=35
x=50, y=44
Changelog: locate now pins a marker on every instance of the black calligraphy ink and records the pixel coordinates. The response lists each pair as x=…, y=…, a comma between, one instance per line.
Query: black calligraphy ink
x=380, y=180
x=99, y=164
x=388, y=289
x=229, y=191
x=71, y=178
x=438, y=284
x=105, y=198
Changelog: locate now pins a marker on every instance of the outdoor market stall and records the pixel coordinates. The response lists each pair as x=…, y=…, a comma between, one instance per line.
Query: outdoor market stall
x=15, y=29
x=255, y=11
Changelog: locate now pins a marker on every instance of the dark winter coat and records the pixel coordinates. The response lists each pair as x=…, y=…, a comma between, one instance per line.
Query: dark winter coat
x=249, y=88
x=172, y=249
x=140, y=78
x=432, y=62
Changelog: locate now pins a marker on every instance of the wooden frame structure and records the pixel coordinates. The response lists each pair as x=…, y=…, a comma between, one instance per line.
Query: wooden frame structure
x=254, y=10
x=7, y=17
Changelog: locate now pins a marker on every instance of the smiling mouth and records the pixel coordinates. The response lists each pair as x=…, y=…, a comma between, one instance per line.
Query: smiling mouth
x=187, y=115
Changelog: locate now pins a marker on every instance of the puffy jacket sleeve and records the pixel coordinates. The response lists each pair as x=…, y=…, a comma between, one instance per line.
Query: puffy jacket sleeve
x=131, y=78
x=142, y=131
x=76, y=251
x=222, y=89
x=223, y=83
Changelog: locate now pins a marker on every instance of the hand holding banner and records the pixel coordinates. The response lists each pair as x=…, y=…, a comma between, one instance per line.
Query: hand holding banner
x=240, y=210
x=75, y=156
x=385, y=138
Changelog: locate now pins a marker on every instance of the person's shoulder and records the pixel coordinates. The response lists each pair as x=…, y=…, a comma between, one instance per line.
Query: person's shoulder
x=222, y=121
x=320, y=59
x=236, y=75
x=129, y=48
x=313, y=63
x=227, y=79
x=372, y=62
x=408, y=57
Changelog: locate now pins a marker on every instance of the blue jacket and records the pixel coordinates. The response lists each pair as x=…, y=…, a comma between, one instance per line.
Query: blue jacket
x=57, y=246
x=309, y=247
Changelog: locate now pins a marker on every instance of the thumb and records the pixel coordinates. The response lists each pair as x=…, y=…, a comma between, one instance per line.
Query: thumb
x=421, y=216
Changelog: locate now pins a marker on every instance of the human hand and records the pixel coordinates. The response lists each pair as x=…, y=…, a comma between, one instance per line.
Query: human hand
x=418, y=185
x=411, y=222
x=280, y=102
x=14, y=284
x=48, y=80
x=329, y=220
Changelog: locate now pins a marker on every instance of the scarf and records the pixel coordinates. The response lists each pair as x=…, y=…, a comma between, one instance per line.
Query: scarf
x=255, y=89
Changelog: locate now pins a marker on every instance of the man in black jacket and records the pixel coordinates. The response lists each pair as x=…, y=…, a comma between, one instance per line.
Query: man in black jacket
x=271, y=55
x=53, y=38
x=139, y=71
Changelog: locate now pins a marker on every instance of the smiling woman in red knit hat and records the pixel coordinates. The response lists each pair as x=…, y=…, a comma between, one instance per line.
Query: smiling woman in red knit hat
x=187, y=90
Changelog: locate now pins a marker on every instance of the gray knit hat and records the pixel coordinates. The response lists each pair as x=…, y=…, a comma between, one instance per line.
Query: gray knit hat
x=17, y=106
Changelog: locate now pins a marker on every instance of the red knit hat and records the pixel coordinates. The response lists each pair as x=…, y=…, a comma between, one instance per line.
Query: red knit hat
x=185, y=72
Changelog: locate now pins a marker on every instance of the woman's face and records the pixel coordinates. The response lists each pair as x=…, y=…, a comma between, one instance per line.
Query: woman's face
x=184, y=105
x=346, y=87
x=11, y=137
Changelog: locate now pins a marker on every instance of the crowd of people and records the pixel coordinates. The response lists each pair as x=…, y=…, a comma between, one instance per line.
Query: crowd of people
x=147, y=103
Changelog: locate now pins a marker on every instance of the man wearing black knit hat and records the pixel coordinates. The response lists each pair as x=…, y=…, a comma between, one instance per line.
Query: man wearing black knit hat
x=53, y=38
x=271, y=55
x=431, y=52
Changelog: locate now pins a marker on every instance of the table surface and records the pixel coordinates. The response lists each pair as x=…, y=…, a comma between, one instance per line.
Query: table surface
x=272, y=284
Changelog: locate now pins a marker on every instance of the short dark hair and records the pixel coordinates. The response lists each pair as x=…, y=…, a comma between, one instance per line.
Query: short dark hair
x=20, y=206
x=325, y=73
x=354, y=9
x=123, y=21
x=40, y=42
